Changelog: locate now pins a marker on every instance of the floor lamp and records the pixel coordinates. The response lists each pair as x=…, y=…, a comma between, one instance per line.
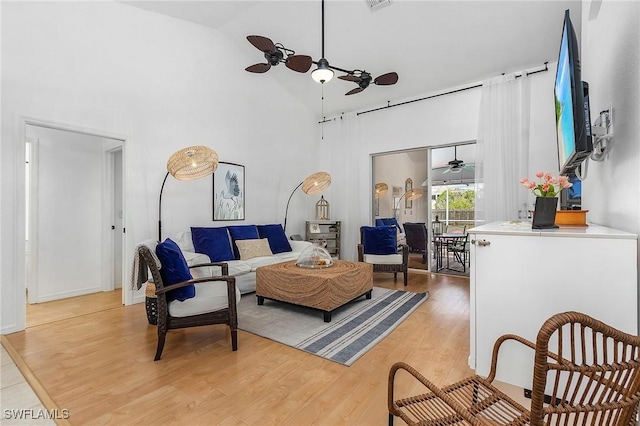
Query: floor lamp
x=193, y=162
x=380, y=190
x=410, y=195
x=314, y=184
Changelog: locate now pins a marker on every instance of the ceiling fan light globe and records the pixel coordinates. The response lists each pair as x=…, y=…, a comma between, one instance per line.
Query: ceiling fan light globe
x=323, y=73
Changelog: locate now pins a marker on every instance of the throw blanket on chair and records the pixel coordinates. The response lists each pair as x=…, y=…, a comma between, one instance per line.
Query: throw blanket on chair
x=139, y=269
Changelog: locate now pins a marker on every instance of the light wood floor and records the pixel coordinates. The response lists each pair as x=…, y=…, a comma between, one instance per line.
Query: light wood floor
x=100, y=367
x=48, y=312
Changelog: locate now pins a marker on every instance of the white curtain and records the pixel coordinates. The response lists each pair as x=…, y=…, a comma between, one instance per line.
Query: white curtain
x=502, y=149
x=348, y=166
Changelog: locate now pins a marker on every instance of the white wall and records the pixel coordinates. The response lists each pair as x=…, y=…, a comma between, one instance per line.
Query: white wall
x=610, y=56
x=68, y=196
x=160, y=84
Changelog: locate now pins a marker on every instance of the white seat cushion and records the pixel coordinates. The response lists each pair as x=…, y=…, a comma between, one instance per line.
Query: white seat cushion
x=383, y=259
x=209, y=297
x=286, y=256
x=257, y=262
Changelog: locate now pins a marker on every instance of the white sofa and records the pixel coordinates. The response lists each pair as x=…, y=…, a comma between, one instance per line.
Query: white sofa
x=243, y=270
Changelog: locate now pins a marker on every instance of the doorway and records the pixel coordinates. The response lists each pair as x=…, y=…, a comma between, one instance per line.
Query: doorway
x=73, y=195
x=446, y=177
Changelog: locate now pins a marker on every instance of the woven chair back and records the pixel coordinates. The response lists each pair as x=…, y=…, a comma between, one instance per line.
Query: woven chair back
x=593, y=380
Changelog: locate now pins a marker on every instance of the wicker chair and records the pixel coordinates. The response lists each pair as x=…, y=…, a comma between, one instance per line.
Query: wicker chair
x=165, y=321
x=398, y=262
x=417, y=238
x=592, y=378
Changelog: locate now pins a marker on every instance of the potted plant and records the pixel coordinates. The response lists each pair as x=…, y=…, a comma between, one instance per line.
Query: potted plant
x=546, y=190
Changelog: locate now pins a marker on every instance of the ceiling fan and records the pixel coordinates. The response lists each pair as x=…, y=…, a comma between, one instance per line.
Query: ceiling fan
x=455, y=165
x=276, y=53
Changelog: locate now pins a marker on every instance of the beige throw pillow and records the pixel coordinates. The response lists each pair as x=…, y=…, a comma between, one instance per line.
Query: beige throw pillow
x=253, y=248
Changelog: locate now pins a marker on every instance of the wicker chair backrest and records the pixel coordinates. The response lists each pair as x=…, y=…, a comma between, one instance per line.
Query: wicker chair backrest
x=594, y=379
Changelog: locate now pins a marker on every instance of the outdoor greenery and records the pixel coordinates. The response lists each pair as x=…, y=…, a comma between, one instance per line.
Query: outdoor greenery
x=458, y=200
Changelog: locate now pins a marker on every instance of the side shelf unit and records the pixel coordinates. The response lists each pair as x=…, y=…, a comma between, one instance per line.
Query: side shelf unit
x=325, y=231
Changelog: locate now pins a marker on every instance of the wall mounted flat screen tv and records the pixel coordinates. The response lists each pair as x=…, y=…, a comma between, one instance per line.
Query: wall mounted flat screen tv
x=573, y=123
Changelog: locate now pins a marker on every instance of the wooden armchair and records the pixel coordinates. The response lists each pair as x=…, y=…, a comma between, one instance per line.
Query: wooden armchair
x=206, y=308
x=591, y=378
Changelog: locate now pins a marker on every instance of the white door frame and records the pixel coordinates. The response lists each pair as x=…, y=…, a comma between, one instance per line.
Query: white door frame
x=119, y=143
x=108, y=219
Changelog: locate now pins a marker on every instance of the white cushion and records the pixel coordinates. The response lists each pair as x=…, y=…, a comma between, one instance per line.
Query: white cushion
x=184, y=241
x=194, y=258
x=383, y=259
x=209, y=297
x=298, y=246
x=257, y=262
x=286, y=256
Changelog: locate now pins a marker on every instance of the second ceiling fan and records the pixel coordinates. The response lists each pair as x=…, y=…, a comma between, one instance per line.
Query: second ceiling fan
x=276, y=53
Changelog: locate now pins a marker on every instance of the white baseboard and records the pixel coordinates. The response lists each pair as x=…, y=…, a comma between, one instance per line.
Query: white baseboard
x=66, y=294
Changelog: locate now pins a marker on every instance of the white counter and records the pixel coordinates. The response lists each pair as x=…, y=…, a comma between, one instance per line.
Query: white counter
x=522, y=276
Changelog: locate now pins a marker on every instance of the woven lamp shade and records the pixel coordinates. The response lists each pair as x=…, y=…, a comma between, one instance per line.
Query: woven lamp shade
x=192, y=162
x=414, y=193
x=316, y=183
x=381, y=189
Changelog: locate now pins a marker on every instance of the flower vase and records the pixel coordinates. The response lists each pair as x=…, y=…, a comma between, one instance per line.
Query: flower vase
x=544, y=213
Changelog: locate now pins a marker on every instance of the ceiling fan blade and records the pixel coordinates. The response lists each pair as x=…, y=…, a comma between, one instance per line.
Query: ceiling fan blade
x=258, y=68
x=263, y=44
x=350, y=78
x=386, y=79
x=299, y=63
x=447, y=171
x=354, y=91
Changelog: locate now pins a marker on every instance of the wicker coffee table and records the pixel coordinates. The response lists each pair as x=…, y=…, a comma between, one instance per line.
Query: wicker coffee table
x=325, y=289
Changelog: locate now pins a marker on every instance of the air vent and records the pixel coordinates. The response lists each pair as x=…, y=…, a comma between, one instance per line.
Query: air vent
x=377, y=4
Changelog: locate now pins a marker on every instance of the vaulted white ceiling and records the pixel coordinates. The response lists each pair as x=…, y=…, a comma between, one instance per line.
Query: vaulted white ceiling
x=432, y=45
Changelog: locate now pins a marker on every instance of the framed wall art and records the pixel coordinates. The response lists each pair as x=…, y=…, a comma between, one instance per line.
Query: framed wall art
x=228, y=192
x=408, y=186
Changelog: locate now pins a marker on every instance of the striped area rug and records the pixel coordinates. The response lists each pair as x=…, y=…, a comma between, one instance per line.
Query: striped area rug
x=354, y=329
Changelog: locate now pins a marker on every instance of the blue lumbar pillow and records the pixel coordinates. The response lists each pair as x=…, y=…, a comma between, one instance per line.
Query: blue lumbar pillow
x=379, y=239
x=242, y=232
x=174, y=270
x=214, y=242
x=277, y=238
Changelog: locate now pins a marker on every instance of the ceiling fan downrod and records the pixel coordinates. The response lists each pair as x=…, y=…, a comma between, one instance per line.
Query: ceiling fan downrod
x=323, y=73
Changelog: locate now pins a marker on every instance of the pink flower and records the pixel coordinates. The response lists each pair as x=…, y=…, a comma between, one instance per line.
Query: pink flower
x=547, y=185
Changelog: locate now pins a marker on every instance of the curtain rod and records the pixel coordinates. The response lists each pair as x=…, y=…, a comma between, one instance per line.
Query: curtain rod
x=389, y=105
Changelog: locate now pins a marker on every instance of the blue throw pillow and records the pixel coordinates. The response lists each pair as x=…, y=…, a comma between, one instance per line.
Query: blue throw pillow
x=174, y=270
x=391, y=221
x=242, y=232
x=214, y=242
x=278, y=241
x=379, y=239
